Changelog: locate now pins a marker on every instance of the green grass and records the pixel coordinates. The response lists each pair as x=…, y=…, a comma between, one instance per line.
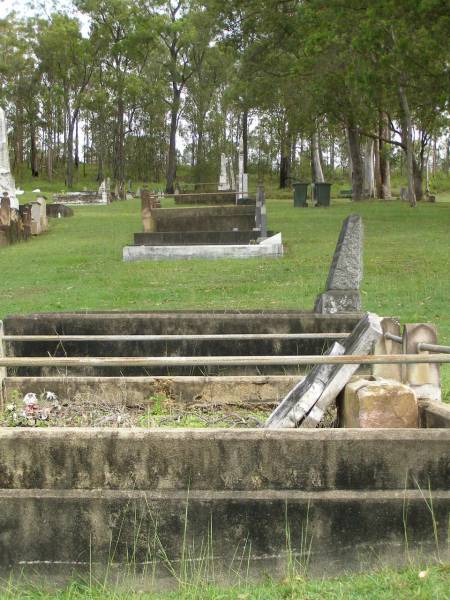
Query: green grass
x=433, y=584
x=78, y=265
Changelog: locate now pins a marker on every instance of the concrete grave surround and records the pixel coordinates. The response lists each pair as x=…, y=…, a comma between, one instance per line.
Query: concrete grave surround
x=345, y=276
x=68, y=495
x=269, y=248
x=213, y=232
x=82, y=492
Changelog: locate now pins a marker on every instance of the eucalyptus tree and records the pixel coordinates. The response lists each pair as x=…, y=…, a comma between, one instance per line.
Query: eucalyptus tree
x=181, y=38
x=69, y=65
x=123, y=52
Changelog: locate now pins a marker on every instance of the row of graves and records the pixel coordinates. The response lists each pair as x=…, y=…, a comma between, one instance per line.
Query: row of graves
x=19, y=222
x=19, y=225
x=341, y=466
x=231, y=225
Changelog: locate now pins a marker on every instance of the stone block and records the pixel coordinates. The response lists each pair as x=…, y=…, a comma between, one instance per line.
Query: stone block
x=387, y=346
x=424, y=378
x=378, y=404
x=338, y=301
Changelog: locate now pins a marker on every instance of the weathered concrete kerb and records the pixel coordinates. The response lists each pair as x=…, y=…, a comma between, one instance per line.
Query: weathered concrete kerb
x=68, y=497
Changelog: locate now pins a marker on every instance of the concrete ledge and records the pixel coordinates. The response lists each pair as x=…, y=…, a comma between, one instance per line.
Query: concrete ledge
x=176, y=238
x=77, y=498
x=137, y=391
x=434, y=414
x=221, y=459
x=270, y=248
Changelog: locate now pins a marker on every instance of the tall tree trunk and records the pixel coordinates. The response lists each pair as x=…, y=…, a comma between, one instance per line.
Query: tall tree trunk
x=245, y=138
x=418, y=179
x=285, y=157
x=76, y=159
x=172, y=158
x=407, y=133
x=18, y=135
x=70, y=136
x=385, y=167
x=316, y=165
x=377, y=169
x=369, y=178
x=119, y=158
x=33, y=151
x=332, y=155
x=356, y=162
x=49, y=154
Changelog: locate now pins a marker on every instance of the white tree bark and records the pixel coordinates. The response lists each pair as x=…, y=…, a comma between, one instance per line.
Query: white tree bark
x=369, y=173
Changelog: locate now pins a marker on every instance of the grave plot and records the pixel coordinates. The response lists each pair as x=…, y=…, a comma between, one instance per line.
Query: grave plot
x=230, y=190
x=88, y=198
x=203, y=232
x=339, y=498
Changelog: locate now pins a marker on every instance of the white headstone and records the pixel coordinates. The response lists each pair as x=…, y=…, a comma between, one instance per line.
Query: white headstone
x=224, y=184
x=242, y=183
x=102, y=190
x=6, y=179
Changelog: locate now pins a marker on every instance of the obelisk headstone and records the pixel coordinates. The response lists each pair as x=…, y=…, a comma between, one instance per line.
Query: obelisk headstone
x=224, y=184
x=7, y=183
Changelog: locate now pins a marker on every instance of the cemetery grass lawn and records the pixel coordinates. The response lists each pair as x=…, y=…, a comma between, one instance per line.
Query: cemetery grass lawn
x=433, y=584
x=78, y=266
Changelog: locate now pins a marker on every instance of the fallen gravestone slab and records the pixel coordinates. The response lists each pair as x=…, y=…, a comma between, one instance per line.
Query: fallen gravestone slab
x=303, y=395
x=307, y=402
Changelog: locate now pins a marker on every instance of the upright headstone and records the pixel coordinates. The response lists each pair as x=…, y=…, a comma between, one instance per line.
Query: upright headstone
x=35, y=219
x=242, y=184
x=42, y=213
x=6, y=179
x=344, y=279
x=5, y=210
x=102, y=191
x=224, y=184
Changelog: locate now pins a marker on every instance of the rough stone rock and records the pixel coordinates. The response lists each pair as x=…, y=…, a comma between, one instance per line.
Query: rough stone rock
x=377, y=404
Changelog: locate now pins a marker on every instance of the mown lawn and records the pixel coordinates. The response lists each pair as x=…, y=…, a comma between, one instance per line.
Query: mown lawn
x=409, y=584
x=78, y=265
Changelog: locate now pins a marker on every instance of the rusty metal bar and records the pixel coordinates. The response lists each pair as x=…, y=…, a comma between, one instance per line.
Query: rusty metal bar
x=192, y=361
x=176, y=338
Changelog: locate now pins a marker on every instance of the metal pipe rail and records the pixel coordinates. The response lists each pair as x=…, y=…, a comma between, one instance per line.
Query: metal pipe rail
x=202, y=194
x=192, y=361
x=176, y=338
x=421, y=346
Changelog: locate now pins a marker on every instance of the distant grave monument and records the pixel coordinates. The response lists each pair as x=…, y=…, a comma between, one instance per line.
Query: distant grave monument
x=7, y=183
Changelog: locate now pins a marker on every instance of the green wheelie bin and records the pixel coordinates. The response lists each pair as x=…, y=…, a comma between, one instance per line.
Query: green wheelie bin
x=322, y=193
x=300, y=194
